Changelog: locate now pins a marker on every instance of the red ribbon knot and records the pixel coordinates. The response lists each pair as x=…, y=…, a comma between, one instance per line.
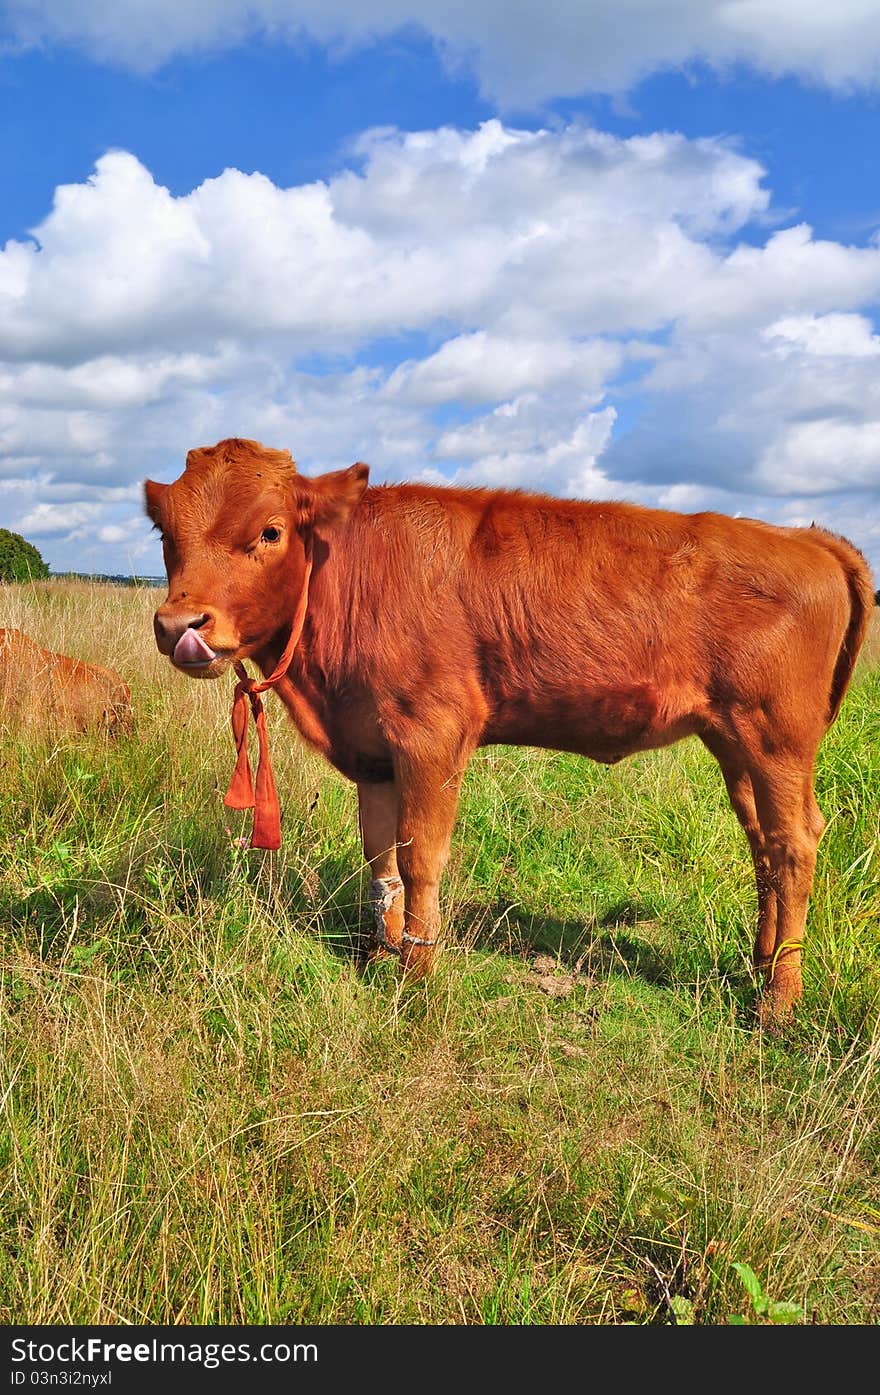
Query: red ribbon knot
x=242, y=794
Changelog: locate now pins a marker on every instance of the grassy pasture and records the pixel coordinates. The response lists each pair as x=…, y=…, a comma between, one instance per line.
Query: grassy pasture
x=208, y=1115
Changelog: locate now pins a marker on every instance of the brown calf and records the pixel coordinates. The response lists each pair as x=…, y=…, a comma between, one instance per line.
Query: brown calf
x=53, y=693
x=438, y=620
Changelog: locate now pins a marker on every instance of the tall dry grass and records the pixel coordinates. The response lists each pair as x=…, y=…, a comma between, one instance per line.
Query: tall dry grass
x=210, y=1115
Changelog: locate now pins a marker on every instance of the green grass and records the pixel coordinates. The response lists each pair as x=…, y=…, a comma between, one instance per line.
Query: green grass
x=209, y=1116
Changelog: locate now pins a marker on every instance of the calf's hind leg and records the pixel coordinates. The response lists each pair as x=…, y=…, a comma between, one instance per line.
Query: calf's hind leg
x=742, y=801
x=792, y=825
x=377, y=817
x=774, y=801
x=428, y=806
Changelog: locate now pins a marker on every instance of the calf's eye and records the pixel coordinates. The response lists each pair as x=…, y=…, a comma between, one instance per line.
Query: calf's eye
x=271, y=534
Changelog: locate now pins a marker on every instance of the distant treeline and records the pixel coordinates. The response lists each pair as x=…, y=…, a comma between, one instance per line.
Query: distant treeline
x=109, y=580
x=161, y=580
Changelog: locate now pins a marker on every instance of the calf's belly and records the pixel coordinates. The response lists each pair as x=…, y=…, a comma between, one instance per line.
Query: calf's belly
x=604, y=725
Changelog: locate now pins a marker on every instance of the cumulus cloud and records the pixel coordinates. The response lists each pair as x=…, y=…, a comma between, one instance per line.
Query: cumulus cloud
x=524, y=230
x=824, y=336
x=520, y=56
x=531, y=443
x=482, y=367
x=791, y=409
x=111, y=381
x=45, y=519
x=813, y=457
x=557, y=309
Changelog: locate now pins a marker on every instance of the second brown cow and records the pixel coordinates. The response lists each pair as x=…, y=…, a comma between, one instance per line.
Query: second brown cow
x=54, y=693
x=436, y=620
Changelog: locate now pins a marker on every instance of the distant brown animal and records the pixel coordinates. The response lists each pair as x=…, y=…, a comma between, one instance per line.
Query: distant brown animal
x=54, y=693
x=437, y=620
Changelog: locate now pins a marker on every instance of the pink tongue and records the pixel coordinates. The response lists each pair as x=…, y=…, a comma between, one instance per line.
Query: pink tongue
x=192, y=649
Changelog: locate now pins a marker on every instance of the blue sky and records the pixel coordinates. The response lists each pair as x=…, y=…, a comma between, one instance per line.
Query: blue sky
x=557, y=251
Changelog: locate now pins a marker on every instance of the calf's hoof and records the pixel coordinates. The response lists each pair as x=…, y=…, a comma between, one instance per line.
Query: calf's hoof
x=379, y=949
x=777, y=1002
x=416, y=958
x=772, y=1016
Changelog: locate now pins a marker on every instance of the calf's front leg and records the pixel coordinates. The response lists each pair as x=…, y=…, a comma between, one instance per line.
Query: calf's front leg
x=377, y=816
x=427, y=811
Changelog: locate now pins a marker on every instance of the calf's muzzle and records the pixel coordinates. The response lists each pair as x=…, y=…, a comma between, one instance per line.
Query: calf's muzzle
x=170, y=623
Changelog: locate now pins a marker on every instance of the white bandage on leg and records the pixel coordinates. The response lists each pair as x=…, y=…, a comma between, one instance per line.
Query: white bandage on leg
x=384, y=891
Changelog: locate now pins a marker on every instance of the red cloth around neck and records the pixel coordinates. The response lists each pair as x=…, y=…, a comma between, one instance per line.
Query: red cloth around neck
x=242, y=794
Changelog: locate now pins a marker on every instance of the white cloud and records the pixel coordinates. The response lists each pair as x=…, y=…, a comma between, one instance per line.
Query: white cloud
x=521, y=55
x=482, y=367
x=825, y=336
x=791, y=273
x=527, y=444
x=112, y=381
x=581, y=315
x=45, y=519
x=529, y=232
x=525, y=236
x=816, y=457
x=790, y=409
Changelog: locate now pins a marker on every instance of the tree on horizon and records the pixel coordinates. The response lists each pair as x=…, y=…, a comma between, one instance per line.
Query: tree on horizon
x=19, y=559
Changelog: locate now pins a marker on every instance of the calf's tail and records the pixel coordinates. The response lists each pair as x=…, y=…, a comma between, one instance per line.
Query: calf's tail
x=861, y=601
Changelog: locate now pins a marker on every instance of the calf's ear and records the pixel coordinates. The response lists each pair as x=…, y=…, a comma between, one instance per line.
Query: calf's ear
x=153, y=495
x=329, y=500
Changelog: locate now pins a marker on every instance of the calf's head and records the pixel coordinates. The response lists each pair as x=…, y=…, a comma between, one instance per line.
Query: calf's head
x=236, y=527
